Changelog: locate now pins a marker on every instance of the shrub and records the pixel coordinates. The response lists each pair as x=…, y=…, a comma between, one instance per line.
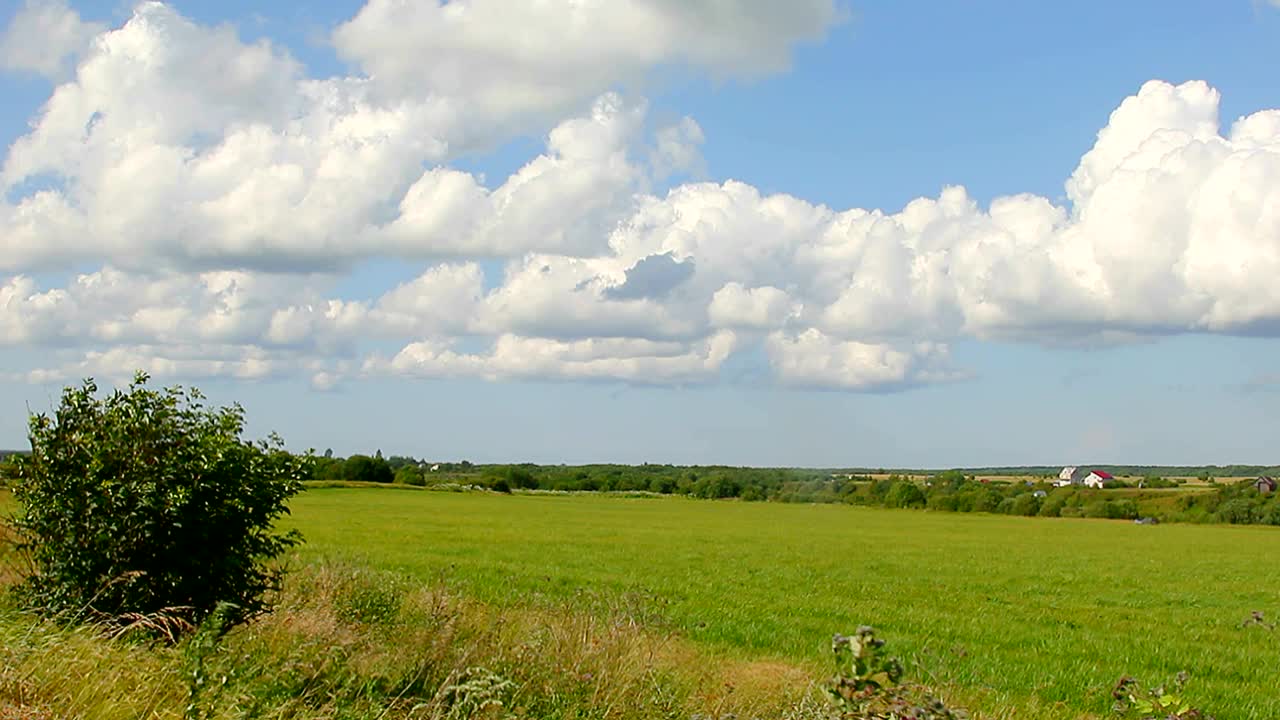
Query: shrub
x=905, y=494
x=1237, y=512
x=147, y=504
x=867, y=684
x=1165, y=702
x=410, y=475
x=1026, y=504
x=362, y=468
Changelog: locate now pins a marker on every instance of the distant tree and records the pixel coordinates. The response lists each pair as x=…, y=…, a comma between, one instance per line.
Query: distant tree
x=905, y=494
x=1026, y=504
x=362, y=468
x=147, y=502
x=410, y=475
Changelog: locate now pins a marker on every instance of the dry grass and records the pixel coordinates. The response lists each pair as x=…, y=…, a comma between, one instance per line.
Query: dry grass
x=345, y=642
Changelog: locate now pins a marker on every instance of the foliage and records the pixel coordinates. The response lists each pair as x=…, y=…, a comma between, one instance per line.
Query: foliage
x=438, y=655
x=946, y=491
x=362, y=468
x=867, y=683
x=410, y=475
x=477, y=692
x=147, y=505
x=1165, y=702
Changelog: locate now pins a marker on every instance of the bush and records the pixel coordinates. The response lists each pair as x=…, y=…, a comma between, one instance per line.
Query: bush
x=147, y=504
x=905, y=494
x=1026, y=504
x=362, y=468
x=410, y=475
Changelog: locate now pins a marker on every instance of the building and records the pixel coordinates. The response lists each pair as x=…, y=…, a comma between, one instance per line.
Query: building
x=1098, y=479
x=1265, y=484
x=1070, y=475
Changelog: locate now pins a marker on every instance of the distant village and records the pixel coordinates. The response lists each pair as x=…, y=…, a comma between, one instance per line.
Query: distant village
x=1072, y=475
x=1077, y=476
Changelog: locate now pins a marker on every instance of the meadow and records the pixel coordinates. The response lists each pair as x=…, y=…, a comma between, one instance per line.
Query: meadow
x=1010, y=616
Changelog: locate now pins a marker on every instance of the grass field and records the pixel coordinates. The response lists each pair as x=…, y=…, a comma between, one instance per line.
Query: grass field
x=1014, y=617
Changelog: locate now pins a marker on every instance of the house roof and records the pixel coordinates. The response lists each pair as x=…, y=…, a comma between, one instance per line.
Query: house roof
x=1104, y=474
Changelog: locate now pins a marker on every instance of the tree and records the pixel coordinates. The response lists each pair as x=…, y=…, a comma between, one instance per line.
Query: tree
x=905, y=494
x=148, y=503
x=362, y=468
x=410, y=475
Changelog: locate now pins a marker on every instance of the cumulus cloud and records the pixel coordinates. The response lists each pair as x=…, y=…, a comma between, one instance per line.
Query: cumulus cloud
x=46, y=37
x=566, y=200
x=512, y=356
x=760, y=308
x=812, y=359
x=222, y=195
x=654, y=276
x=520, y=58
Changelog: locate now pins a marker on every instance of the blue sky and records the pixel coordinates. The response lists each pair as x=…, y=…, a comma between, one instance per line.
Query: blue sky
x=408, y=266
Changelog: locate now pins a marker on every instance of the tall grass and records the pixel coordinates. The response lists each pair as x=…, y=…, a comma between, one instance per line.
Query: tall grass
x=1022, y=617
x=348, y=642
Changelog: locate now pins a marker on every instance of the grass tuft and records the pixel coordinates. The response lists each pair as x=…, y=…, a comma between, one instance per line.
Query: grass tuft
x=348, y=642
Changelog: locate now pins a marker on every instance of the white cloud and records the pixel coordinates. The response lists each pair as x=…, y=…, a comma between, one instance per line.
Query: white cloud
x=812, y=359
x=45, y=37
x=566, y=200
x=761, y=308
x=511, y=356
x=222, y=196
x=110, y=306
x=513, y=59
x=119, y=364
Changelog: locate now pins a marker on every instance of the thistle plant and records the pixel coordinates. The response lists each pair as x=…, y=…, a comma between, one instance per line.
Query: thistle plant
x=867, y=684
x=1164, y=702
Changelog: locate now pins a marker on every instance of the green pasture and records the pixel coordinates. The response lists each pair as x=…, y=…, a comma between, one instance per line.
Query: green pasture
x=1018, y=617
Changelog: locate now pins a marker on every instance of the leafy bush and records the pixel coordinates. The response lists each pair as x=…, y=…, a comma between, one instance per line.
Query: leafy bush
x=1026, y=504
x=905, y=494
x=867, y=684
x=1165, y=702
x=362, y=468
x=146, y=504
x=410, y=475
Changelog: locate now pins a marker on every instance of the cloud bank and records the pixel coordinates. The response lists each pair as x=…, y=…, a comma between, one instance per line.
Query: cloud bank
x=223, y=195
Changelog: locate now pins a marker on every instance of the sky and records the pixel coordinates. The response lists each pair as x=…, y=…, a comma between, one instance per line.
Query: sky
x=822, y=233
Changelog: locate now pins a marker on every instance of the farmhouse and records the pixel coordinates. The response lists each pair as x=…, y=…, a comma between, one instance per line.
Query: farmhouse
x=1098, y=479
x=1070, y=475
x=1265, y=484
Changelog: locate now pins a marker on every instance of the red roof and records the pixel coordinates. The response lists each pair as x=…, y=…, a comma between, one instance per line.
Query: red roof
x=1103, y=474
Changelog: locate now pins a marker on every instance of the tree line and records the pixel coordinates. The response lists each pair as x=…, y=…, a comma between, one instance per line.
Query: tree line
x=947, y=491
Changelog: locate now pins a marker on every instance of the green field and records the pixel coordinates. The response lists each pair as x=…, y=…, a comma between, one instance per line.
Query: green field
x=1014, y=617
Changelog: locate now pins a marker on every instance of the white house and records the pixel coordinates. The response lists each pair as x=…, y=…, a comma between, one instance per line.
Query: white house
x=1070, y=475
x=1098, y=479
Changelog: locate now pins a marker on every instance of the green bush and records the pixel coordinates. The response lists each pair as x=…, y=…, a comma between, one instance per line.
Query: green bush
x=410, y=475
x=147, y=504
x=1026, y=504
x=905, y=494
x=362, y=468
